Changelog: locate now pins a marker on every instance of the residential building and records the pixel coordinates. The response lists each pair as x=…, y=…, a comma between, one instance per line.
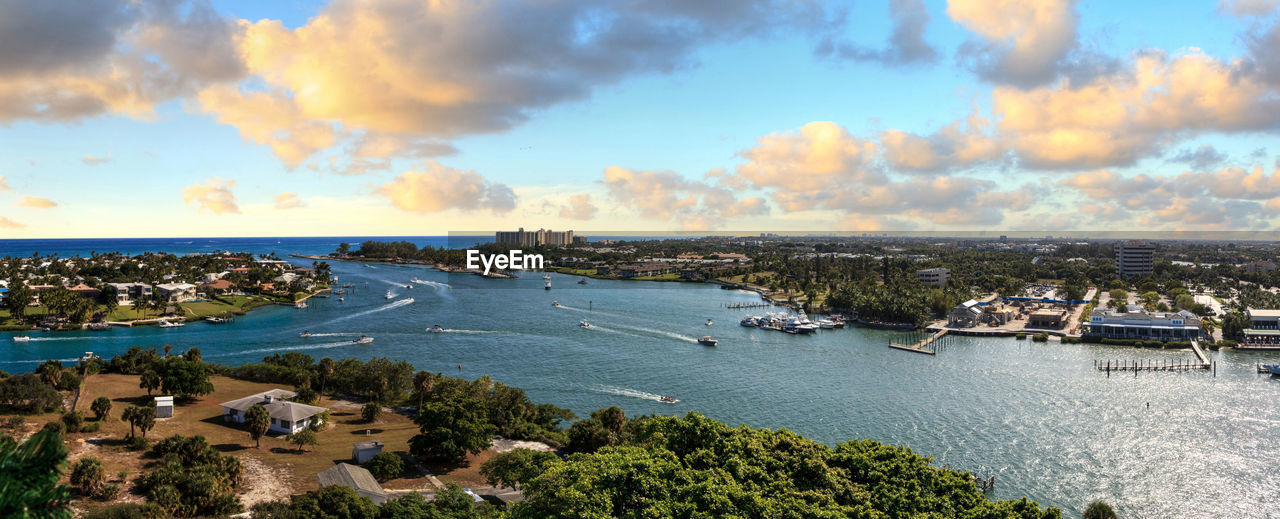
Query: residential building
x=286, y=417
x=534, y=238
x=1134, y=258
x=176, y=292
x=934, y=277
x=965, y=315
x=355, y=478
x=362, y=451
x=85, y=291
x=636, y=270
x=127, y=293
x=1259, y=267
x=1138, y=324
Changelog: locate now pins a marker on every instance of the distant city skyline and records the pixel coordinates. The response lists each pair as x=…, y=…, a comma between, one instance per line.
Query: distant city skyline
x=387, y=118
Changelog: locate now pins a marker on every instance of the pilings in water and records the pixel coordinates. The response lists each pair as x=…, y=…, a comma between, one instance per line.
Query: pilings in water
x=1135, y=366
x=921, y=345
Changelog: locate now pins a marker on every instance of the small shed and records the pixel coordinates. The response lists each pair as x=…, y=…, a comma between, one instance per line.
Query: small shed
x=362, y=451
x=164, y=407
x=354, y=477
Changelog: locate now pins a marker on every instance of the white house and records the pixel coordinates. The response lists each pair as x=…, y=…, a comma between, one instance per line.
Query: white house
x=286, y=417
x=177, y=292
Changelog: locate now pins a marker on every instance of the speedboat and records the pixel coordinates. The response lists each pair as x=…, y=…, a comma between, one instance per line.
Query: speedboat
x=749, y=321
x=363, y=340
x=408, y=286
x=667, y=400
x=706, y=340
x=1273, y=368
x=304, y=334
x=435, y=329
x=547, y=286
x=97, y=327
x=21, y=338
x=407, y=299
x=555, y=304
x=169, y=324
x=390, y=295
x=708, y=322
x=826, y=324
x=584, y=324
x=341, y=299
x=300, y=305
x=216, y=320
x=582, y=281
x=546, y=276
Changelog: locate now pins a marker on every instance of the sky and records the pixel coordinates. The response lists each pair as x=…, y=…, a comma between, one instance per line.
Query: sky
x=392, y=117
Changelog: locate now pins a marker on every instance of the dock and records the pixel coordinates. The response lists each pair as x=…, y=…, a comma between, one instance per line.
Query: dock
x=749, y=305
x=1201, y=362
x=922, y=345
x=1200, y=354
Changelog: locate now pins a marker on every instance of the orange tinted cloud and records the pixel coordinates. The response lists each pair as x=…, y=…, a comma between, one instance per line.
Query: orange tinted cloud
x=440, y=188
x=214, y=195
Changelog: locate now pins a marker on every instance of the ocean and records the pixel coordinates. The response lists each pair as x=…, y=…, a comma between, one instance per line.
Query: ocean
x=1037, y=415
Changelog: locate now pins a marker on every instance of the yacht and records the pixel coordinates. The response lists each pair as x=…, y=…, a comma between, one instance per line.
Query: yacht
x=826, y=324
x=170, y=324
x=706, y=340
x=750, y=321
x=364, y=339
x=216, y=320
x=300, y=305
x=435, y=329
x=1273, y=368
x=97, y=327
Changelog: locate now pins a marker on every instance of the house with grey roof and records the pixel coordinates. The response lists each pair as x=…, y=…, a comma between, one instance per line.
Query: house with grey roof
x=286, y=417
x=354, y=477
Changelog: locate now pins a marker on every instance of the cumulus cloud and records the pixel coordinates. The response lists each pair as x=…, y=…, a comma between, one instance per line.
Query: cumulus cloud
x=445, y=69
x=1020, y=42
x=957, y=145
x=1201, y=158
x=6, y=223
x=62, y=60
x=287, y=201
x=95, y=160
x=906, y=44
x=668, y=196
x=1228, y=198
x=214, y=195
x=4, y=184
x=441, y=188
x=1247, y=8
x=579, y=208
x=36, y=202
x=269, y=118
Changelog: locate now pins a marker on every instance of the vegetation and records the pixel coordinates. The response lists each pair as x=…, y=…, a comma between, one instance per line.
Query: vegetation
x=29, y=474
x=87, y=476
x=28, y=394
x=101, y=407
x=303, y=439
x=385, y=465
x=1099, y=510
x=343, y=502
x=192, y=479
x=370, y=412
x=141, y=417
x=516, y=467
x=257, y=420
x=451, y=429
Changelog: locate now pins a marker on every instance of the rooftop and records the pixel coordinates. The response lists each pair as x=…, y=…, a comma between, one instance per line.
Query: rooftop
x=350, y=476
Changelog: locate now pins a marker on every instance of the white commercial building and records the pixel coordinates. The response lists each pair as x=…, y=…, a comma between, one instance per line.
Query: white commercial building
x=935, y=277
x=1134, y=258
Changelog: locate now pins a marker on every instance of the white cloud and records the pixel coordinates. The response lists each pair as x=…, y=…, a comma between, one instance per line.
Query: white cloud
x=214, y=195
x=36, y=202
x=287, y=201
x=440, y=188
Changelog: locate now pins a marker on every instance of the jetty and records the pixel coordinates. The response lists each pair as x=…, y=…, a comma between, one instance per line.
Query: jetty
x=922, y=345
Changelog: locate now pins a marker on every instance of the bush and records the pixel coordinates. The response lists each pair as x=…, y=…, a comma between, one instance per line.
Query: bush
x=1099, y=510
x=385, y=465
x=73, y=420
x=1071, y=340
x=87, y=476
x=28, y=394
x=70, y=381
x=125, y=511
x=1020, y=336
x=101, y=407
x=56, y=427
x=14, y=422
x=91, y=427
x=306, y=395
x=137, y=443
x=1040, y=337
x=370, y=412
x=109, y=492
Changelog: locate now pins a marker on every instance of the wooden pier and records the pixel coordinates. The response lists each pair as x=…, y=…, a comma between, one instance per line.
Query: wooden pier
x=922, y=345
x=1152, y=365
x=749, y=305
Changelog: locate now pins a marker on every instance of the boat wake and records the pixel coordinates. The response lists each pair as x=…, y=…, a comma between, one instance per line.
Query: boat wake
x=611, y=330
x=37, y=361
x=656, y=331
x=337, y=334
x=632, y=393
x=576, y=309
x=321, y=346
x=474, y=332
x=383, y=308
x=34, y=339
x=436, y=284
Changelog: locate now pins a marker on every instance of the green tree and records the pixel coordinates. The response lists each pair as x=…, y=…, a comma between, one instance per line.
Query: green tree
x=149, y=380
x=142, y=417
x=87, y=476
x=31, y=471
x=336, y=502
x=326, y=370
x=1099, y=510
x=370, y=412
x=101, y=407
x=257, y=420
x=183, y=378
x=512, y=468
x=19, y=298
x=50, y=372
x=130, y=414
x=385, y=465
x=193, y=355
x=73, y=420
x=303, y=438
x=422, y=384
x=451, y=429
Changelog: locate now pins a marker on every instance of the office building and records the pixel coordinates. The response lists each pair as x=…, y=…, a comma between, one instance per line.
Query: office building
x=935, y=277
x=1134, y=258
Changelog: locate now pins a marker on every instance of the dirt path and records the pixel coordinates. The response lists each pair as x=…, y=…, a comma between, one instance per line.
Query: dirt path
x=262, y=483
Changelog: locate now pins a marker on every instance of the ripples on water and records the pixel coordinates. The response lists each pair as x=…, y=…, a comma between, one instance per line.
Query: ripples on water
x=1037, y=414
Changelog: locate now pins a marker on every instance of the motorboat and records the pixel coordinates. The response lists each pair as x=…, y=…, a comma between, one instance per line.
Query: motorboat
x=98, y=327
x=300, y=305
x=555, y=304
x=667, y=400
x=749, y=321
x=706, y=340
x=21, y=338
x=419, y=281
x=546, y=276
x=407, y=300
x=305, y=334
x=408, y=286
x=364, y=339
x=582, y=281
x=390, y=295
x=435, y=329
x=1273, y=368
x=341, y=299
x=216, y=320
x=708, y=322
x=547, y=286
x=171, y=324
x=826, y=324
x=584, y=324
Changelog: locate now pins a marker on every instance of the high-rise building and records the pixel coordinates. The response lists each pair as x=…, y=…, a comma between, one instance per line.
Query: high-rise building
x=534, y=238
x=1134, y=258
x=934, y=277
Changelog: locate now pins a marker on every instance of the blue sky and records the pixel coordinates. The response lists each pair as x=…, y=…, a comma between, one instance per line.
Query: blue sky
x=248, y=118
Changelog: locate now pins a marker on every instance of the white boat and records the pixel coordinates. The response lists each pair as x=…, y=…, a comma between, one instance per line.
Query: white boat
x=546, y=276
x=708, y=322
x=363, y=340
x=750, y=321
x=216, y=320
x=706, y=340
x=407, y=300
x=304, y=334
x=826, y=324
x=435, y=329
x=169, y=324
x=21, y=338
x=667, y=400
x=300, y=305
x=547, y=286
x=408, y=286
x=584, y=324
x=390, y=295
x=341, y=299
x=555, y=304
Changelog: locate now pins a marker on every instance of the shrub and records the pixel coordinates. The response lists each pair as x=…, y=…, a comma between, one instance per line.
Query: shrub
x=1099, y=510
x=1020, y=336
x=306, y=395
x=91, y=427
x=125, y=511
x=56, y=427
x=28, y=394
x=101, y=407
x=109, y=492
x=137, y=443
x=14, y=422
x=73, y=420
x=385, y=465
x=70, y=381
x=1040, y=337
x=370, y=412
x=87, y=476
x=1071, y=340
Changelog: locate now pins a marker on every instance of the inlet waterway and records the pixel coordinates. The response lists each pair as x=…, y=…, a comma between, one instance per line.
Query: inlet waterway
x=1037, y=415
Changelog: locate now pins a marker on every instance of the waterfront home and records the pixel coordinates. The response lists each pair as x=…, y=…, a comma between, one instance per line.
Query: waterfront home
x=127, y=293
x=286, y=417
x=218, y=286
x=1151, y=326
x=355, y=478
x=85, y=291
x=636, y=270
x=177, y=292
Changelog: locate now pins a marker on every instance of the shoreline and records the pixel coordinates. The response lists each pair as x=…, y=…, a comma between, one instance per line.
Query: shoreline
x=397, y=261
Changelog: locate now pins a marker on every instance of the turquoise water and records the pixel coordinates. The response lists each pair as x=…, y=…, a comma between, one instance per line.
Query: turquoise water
x=1036, y=414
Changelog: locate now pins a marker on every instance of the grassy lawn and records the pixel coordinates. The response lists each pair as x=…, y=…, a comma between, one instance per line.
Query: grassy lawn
x=662, y=277
x=294, y=471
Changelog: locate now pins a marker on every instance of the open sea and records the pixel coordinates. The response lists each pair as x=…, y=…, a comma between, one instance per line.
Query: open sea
x=1035, y=414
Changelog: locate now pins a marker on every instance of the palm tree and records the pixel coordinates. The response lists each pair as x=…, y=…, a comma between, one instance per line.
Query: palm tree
x=422, y=383
x=257, y=420
x=326, y=369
